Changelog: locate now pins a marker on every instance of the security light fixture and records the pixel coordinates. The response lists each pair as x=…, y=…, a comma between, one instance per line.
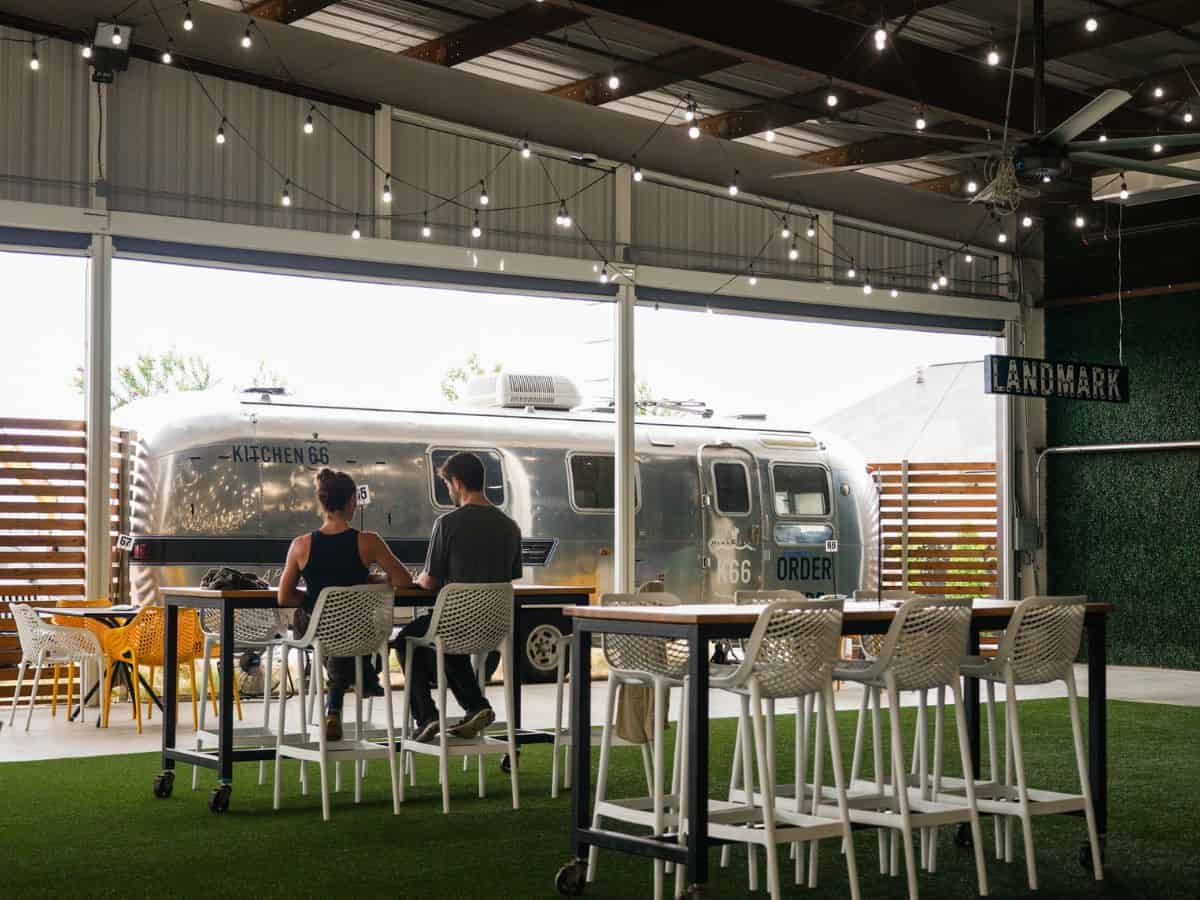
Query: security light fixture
x=110, y=51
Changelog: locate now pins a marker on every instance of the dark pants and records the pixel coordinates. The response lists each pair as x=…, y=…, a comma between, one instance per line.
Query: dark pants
x=460, y=677
x=339, y=670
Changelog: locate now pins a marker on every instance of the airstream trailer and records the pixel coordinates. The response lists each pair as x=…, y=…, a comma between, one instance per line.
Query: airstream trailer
x=721, y=505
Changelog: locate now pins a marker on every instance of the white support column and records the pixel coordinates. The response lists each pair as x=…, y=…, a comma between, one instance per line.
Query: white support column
x=826, y=261
x=623, y=378
x=98, y=383
x=382, y=227
x=98, y=145
x=622, y=211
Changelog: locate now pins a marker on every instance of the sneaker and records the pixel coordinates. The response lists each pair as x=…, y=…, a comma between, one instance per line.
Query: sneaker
x=333, y=726
x=474, y=723
x=427, y=732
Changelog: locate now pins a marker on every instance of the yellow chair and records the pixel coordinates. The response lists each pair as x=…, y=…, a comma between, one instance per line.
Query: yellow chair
x=140, y=643
x=96, y=628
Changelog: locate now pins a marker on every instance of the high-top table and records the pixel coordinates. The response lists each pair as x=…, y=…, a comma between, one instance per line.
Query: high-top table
x=228, y=602
x=699, y=624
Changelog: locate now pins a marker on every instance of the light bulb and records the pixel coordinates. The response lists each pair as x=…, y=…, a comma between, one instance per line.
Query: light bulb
x=117, y=37
x=525, y=151
x=387, y=190
x=812, y=228
x=733, y=185
x=476, y=231
x=604, y=275
x=867, y=288
x=221, y=132
x=87, y=51
x=753, y=279
x=1045, y=179
x=167, y=56
x=1124, y=190
x=793, y=253
x=969, y=258
x=831, y=99
x=637, y=173
x=1002, y=238
x=895, y=293
x=851, y=272
x=247, y=41
x=34, y=63
x=769, y=136
x=689, y=114
x=1027, y=221
x=1158, y=92
x=693, y=132
x=1091, y=24
x=285, y=198
x=356, y=233
x=308, y=123
x=942, y=279
x=785, y=232
x=881, y=37
x=1103, y=137
x=483, y=195
x=1157, y=147
x=993, y=57
x=1187, y=117
x=613, y=82
x=933, y=285
x=1080, y=221
x=188, y=24
x=426, y=231
x=921, y=123
x=972, y=186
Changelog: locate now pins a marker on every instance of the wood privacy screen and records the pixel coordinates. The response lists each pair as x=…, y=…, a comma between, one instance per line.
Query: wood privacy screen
x=42, y=497
x=940, y=527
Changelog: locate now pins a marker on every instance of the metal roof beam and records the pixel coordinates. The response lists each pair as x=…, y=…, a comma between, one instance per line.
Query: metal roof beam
x=871, y=11
x=884, y=149
x=766, y=31
x=793, y=110
x=287, y=11
x=637, y=78
x=505, y=30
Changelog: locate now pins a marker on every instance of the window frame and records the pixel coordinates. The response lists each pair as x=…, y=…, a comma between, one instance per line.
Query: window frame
x=600, y=510
x=429, y=451
x=803, y=517
x=716, y=493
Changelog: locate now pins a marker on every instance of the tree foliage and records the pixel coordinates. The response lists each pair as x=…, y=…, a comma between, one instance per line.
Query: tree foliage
x=456, y=378
x=151, y=375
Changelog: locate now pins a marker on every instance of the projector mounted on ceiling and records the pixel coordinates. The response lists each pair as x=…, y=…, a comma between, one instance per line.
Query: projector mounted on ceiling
x=110, y=51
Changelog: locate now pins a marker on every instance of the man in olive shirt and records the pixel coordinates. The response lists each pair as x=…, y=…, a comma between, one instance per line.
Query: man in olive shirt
x=476, y=543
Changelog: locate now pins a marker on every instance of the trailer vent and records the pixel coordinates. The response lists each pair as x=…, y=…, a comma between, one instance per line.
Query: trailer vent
x=508, y=390
x=537, y=551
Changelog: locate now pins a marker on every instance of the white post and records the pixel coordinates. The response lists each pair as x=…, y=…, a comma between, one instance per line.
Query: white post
x=623, y=569
x=98, y=146
x=98, y=383
x=382, y=227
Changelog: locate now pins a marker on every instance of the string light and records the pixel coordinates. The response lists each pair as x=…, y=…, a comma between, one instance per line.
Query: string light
x=972, y=186
x=831, y=98
x=34, y=62
x=221, y=132
x=356, y=233
x=769, y=136
x=117, y=37
x=525, y=151
x=1158, y=148
x=308, y=122
x=993, y=57
x=733, y=185
x=812, y=227
x=785, y=232
x=1045, y=179
x=286, y=198
x=387, y=188
x=637, y=173
x=921, y=123
x=167, y=56
x=476, y=231
x=1187, y=116
x=1158, y=92
x=895, y=293
x=87, y=51
x=1080, y=221
x=793, y=252
x=1103, y=137
x=689, y=112
x=604, y=274
x=188, y=24
x=1124, y=188
x=483, y=195
x=881, y=37
x=942, y=279
x=969, y=258
x=753, y=279
x=1002, y=238
x=613, y=82
x=867, y=281
x=693, y=131
x=247, y=40
x=563, y=219
x=426, y=231
x=1091, y=24
x=851, y=272
x=1027, y=222
x=933, y=285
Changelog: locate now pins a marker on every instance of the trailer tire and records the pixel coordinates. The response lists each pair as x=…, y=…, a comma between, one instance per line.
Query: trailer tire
x=538, y=642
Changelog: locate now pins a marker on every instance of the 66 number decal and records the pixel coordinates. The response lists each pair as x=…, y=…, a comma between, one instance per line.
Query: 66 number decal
x=733, y=571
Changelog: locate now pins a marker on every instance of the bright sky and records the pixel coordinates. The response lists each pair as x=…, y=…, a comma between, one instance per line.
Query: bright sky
x=351, y=343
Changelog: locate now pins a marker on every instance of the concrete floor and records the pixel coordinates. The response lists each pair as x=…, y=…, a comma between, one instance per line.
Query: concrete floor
x=54, y=737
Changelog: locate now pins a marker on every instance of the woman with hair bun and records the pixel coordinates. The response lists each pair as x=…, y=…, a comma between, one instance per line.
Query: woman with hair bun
x=336, y=555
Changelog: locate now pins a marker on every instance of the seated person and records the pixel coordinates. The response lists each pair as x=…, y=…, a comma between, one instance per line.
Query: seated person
x=336, y=555
x=476, y=543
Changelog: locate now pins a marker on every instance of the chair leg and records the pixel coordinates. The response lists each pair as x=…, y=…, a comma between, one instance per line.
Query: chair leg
x=270, y=657
x=960, y=719
x=900, y=792
x=443, y=740
x=406, y=719
x=106, y=700
x=390, y=730
x=938, y=733
x=859, y=733
x=195, y=705
x=606, y=733
x=818, y=786
x=1085, y=786
x=734, y=782
x=12, y=716
x=281, y=725
x=358, y=721
x=54, y=693
x=682, y=808
x=657, y=799
x=885, y=836
x=137, y=693
x=762, y=751
x=804, y=712
x=748, y=788
x=920, y=762
x=33, y=694
x=839, y=783
x=510, y=665
x=994, y=764
x=302, y=698
x=559, y=682
x=318, y=677
x=237, y=695
x=1022, y=786
x=149, y=702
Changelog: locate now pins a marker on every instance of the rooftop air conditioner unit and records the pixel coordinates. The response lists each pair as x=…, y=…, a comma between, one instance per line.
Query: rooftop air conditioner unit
x=508, y=390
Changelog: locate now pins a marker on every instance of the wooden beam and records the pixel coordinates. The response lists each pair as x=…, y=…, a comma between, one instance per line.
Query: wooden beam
x=1185, y=287
x=505, y=30
x=287, y=11
x=637, y=78
x=797, y=108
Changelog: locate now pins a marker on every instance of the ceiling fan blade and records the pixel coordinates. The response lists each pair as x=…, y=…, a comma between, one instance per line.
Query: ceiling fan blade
x=1121, y=164
x=1137, y=143
x=929, y=158
x=1076, y=124
x=931, y=136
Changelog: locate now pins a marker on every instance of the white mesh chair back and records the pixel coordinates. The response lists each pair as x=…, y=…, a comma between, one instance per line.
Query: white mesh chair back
x=30, y=630
x=1042, y=640
x=635, y=654
x=794, y=646
x=250, y=626
x=57, y=641
x=351, y=621
x=926, y=642
x=472, y=618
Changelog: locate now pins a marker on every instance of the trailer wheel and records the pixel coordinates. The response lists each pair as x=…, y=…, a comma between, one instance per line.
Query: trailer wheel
x=537, y=644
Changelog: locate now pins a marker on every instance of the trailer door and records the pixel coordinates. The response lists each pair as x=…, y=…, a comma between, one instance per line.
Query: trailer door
x=801, y=529
x=731, y=513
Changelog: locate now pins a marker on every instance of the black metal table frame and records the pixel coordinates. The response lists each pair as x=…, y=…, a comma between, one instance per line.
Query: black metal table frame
x=226, y=754
x=694, y=854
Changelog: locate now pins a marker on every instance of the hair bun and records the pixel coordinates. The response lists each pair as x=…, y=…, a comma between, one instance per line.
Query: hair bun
x=326, y=476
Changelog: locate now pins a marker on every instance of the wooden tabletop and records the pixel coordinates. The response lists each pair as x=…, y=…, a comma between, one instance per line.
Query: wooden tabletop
x=732, y=614
x=521, y=590
x=89, y=612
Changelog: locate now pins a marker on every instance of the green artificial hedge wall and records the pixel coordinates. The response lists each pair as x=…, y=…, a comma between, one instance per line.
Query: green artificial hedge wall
x=1126, y=527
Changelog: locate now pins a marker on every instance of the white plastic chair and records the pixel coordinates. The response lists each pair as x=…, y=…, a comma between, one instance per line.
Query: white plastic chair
x=1038, y=647
x=790, y=654
x=468, y=620
x=346, y=621
x=922, y=651
x=659, y=663
x=254, y=630
x=43, y=644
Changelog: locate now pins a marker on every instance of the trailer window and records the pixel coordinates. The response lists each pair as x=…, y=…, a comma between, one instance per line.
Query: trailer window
x=493, y=476
x=794, y=533
x=733, y=488
x=800, y=490
x=594, y=482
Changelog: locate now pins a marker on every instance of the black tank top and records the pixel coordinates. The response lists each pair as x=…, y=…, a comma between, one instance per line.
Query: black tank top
x=333, y=561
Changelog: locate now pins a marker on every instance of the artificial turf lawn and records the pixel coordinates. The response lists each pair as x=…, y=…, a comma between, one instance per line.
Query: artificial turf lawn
x=91, y=827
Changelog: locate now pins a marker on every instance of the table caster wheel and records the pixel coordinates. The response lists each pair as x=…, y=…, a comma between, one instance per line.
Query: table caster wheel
x=218, y=800
x=962, y=837
x=506, y=763
x=164, y=783
x=571, y=878
x=1085, y=855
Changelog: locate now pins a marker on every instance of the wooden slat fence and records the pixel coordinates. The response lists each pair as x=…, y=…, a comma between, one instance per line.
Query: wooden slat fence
x=42, y=487
x=940, y=527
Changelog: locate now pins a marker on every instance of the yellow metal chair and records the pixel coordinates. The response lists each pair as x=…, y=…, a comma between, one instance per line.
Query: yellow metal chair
x=95, y=628
x=140, y=643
